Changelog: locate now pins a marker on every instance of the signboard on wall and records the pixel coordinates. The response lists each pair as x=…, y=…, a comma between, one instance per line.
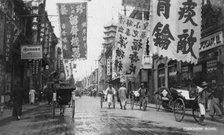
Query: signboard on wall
x=31, y=52
x=147, y=62
x=211, y=41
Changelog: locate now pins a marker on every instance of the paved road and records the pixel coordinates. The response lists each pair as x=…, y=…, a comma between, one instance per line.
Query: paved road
x=90, y=119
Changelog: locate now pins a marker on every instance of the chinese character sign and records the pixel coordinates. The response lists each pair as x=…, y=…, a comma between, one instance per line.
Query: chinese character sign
x=73, y=23
x=176, y=29
x=108, y=66
x=130, y=44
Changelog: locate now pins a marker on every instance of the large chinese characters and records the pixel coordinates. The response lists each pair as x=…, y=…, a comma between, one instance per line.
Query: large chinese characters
x=176, y=29
x=130, y=42
x=73, y=30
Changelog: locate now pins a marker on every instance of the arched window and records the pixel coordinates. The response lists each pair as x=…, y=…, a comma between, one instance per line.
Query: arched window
x=161, y=75
x=172, y=73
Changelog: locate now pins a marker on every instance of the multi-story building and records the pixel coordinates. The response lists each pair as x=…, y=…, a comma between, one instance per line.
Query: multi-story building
x=15, y=31
x=21, y=27
x=170, y=73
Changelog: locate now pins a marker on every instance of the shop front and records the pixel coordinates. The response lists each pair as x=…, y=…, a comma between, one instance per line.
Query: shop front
x=210, y=63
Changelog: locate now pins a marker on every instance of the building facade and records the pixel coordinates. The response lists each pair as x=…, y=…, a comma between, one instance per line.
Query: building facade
x=22, y=27
x=170, y=73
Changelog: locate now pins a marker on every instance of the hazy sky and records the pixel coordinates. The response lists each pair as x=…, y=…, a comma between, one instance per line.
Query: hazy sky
x=100, y=13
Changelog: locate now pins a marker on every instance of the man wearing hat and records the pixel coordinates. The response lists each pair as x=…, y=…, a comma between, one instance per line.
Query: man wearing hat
x=202, y=101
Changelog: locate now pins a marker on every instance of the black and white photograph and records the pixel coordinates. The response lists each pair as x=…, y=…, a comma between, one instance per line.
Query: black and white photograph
x=111, y=67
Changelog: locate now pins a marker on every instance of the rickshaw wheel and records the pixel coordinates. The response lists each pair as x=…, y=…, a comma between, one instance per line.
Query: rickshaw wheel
x=73, y=109
x=158, y=100
x=144, y=104
x=114, y=103
x=195, y=112
x=101, y=101
x=132, y=103
x=179, y=109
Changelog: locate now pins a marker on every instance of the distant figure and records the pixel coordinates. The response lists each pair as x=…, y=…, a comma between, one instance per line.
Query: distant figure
x=32, y=95
x=142, y=93
x=110, y=93
x=49, y=94
x=17, y=96
x=122, y=92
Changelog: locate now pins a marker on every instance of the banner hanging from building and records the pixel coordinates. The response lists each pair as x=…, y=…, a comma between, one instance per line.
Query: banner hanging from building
x=73, y=23
x=142, y=5
x=67, y=68
x=176, y=29
x=130, y=44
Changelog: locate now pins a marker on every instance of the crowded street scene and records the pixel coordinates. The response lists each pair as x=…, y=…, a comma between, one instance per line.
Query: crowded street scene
x=111, y=67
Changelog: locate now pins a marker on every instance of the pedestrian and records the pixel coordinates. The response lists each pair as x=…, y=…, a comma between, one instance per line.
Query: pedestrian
x=201, y=101
x=110, y=93
x=142, y=93
x=75, y=93
x=209, y=91
x=49, y=94
x=215, y=103
x=122, y=93
x=32, y=95
x=220, y=91
x=17, y=97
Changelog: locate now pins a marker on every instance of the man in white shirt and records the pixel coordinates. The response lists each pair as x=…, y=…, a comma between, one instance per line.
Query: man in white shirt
x=110, y=93
x=32, y=95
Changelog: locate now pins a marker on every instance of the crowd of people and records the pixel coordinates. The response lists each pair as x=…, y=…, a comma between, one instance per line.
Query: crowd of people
x=210, y=98
x=121, y=95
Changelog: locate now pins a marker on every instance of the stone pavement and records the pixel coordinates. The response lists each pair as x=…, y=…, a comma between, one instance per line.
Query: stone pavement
x=26, y=107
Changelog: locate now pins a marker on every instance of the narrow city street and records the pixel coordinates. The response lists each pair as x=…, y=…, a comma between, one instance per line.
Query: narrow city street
x=90, y=119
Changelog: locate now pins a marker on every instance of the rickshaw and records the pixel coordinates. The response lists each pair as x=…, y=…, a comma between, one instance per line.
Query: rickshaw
x=103, y=98
x=62, y=97
x=178, y=101
x=135, y=99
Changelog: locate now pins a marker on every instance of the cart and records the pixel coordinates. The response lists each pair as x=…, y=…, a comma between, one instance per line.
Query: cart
x=135, y=99
x=179, y=101
x=62, y=97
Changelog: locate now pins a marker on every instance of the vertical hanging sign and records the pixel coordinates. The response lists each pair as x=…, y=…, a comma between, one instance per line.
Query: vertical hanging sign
x=176, y=29
x=130, y=44
x=109, y=66
x=73, y=23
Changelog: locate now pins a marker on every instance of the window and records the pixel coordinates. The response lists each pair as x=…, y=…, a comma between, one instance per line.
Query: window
x=172, y=73
x=161, y=75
